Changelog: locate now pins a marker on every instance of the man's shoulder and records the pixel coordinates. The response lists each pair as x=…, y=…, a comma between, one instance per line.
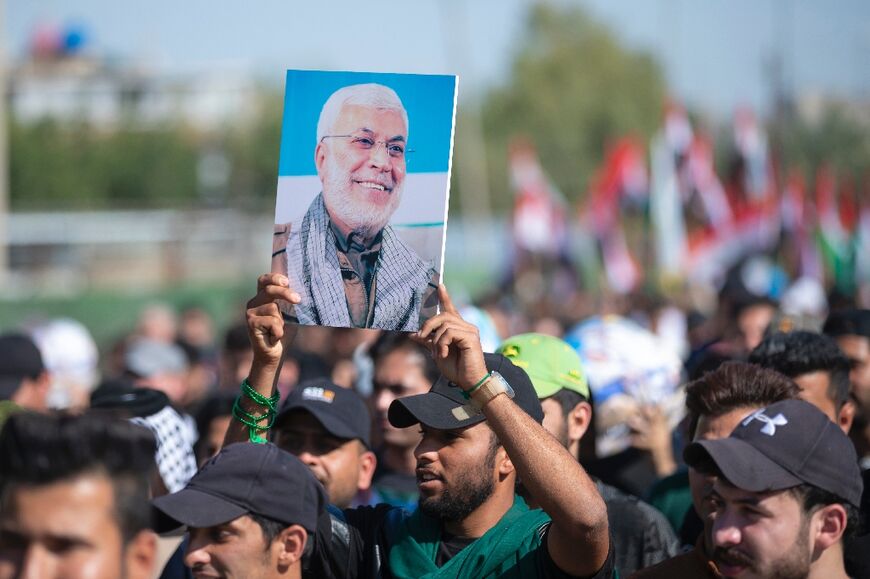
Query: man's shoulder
x=370, y=518
x=302, y=223
x=355, y=538
x=398, y=249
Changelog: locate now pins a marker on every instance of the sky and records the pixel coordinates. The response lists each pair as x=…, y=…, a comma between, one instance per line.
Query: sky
x=714, y=52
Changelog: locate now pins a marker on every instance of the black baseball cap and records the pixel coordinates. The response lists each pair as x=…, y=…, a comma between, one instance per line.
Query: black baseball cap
x=122, y=395
x=341, y=411
x=436, y=408
x=19, y=359
x=787, y=444
x=241, y=479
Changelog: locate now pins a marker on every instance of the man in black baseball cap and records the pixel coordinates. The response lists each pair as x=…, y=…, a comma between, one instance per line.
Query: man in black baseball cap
x=481, y=430
x=786, y=493
x=328, y=428
x=23, y=377
x=249, y=512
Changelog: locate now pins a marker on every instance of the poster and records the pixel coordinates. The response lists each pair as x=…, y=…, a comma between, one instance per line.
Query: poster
x=363, y=189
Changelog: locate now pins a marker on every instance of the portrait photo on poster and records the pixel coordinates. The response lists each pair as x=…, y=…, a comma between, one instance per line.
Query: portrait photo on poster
x=363, y=189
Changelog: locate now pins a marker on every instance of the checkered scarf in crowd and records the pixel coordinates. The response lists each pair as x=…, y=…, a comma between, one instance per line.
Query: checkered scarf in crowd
x=175, y=439
x=401, y=281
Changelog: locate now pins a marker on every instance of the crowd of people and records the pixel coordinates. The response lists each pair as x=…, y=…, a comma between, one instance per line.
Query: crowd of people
x=482, y=449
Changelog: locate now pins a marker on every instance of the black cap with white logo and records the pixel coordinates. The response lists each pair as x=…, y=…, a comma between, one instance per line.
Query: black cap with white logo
x=341, y=411
x=787, y=444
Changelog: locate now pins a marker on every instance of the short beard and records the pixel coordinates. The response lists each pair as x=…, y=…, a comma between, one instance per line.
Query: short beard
x=793, y=564
x=471, y=489
x=365, y=219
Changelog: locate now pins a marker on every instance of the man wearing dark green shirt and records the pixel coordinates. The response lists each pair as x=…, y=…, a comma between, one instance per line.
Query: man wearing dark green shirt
x=481, y=431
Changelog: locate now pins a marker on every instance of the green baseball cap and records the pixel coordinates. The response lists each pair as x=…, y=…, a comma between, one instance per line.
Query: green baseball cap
x=551, y=363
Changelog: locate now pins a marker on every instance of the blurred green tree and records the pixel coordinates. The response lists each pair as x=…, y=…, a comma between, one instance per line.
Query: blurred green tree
x=69, y=165
x=573, y=90
x=253, y=150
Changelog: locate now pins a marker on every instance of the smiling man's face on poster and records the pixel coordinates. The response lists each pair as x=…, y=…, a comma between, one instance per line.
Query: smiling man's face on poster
x=361, y=164
x=358, y=254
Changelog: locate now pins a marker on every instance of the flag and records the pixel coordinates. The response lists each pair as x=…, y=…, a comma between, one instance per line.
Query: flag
x=666, y=210
x=797, y=226
x=539, y=220
x=621, y=180
x=834, y=237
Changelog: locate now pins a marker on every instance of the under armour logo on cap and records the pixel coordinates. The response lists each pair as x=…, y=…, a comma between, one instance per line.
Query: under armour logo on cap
x=770, y=424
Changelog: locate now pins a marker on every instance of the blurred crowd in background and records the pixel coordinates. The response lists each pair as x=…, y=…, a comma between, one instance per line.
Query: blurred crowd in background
x=657, y=245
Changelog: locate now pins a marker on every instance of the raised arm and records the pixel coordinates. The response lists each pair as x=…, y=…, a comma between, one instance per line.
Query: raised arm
x=269, y=337
x=578, y=539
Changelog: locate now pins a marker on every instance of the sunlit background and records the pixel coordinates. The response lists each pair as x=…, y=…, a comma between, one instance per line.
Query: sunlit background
x=139, y=144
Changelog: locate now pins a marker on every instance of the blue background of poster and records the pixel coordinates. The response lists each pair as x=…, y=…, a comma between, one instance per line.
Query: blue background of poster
x=428, y=99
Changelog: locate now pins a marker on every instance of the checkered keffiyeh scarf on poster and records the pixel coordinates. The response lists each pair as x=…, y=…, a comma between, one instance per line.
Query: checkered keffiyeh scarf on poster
x=175, y=438
x=402, y=279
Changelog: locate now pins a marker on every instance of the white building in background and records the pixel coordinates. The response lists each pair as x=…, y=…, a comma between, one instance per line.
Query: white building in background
x=100, y=92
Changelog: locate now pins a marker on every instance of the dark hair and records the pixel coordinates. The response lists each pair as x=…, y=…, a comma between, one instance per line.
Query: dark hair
x=270, y=527
x=236, y=338
x=38, y=450
x=567, y=400
x=746, y=302
x=798, y=353
x=735, y=385
x=217, y=405
x=812, y=498
x=389, y=342
x=848, y=322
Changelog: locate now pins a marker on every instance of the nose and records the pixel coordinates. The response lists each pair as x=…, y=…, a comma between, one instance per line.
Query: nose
x=36, y=564
x=427, y=450
x=726, y=532
x=383, y=399
x=307, y=457
x=380, y=158
x=197, y=552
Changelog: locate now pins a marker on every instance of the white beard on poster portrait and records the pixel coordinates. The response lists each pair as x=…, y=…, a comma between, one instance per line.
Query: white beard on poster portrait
x=356, y=200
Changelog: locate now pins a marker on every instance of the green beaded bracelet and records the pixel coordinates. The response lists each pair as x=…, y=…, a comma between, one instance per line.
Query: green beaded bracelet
x=467, y=393
x=252, y=421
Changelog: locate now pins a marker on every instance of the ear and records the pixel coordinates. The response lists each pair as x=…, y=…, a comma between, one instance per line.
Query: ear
x=140, y=555
x=319, y=158
x=578, y=421
x=290, y=544
x=367, y=464
x=846, y=416
x=503, y=463
x=829, y=524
